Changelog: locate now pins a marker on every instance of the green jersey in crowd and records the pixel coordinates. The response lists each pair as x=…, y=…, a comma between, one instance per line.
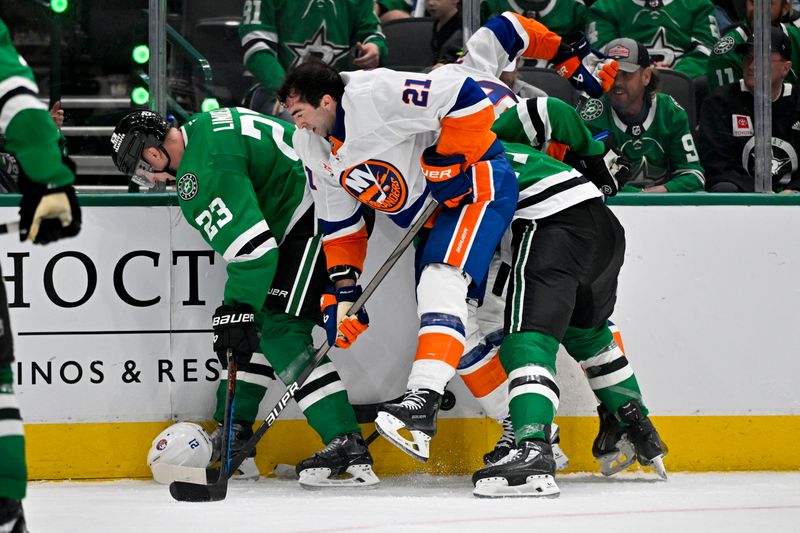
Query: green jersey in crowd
x=247, y=196
x=660, y=148
x=725, y=63
x=560, y=16
x=677, y=33
x=28, y=128
x=279, y=34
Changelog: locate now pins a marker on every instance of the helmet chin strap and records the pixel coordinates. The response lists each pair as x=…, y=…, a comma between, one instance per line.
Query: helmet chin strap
x=167, y=168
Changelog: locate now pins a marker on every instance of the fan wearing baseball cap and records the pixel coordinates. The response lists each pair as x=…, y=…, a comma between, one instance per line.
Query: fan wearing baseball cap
x=726, y=125
x=648, y=128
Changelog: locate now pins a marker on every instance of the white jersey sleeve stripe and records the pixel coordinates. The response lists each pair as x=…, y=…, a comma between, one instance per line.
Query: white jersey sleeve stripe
x=251, y=244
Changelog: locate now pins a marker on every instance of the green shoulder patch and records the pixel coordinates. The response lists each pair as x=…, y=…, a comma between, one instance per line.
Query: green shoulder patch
x=591, y=109
x=187, y=186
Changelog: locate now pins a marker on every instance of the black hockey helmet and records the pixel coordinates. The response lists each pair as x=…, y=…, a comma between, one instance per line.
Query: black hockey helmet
x=137, y=131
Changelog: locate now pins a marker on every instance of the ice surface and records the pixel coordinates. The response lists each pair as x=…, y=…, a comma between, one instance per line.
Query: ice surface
x=635, y=502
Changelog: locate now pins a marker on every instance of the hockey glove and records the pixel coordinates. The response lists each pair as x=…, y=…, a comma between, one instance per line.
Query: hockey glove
x=608, y=172
x=235, y=330
x=448, y=183
x=587, y=69
x=342, y=330
x=47, y=214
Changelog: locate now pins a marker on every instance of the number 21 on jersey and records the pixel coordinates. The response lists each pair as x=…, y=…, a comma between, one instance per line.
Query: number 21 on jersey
x=416, y=92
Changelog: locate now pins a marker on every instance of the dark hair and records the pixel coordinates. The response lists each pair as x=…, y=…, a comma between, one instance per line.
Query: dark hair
x=651, y=88
x=311, y=81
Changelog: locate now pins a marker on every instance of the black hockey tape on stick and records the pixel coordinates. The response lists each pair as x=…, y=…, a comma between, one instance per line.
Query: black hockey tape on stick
x=9, y=227
x=217, y=489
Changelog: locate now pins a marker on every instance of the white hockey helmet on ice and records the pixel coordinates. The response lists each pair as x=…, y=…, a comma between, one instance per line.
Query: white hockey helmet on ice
x=181, y=444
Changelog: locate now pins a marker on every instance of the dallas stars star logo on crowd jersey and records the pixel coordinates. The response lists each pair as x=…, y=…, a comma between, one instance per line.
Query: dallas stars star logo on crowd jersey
x=660, y=49
x=319, y=47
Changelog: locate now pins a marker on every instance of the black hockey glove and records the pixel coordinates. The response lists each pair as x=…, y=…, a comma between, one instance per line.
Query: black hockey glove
x=47, y=214
x=235, y=330
x=608, y=172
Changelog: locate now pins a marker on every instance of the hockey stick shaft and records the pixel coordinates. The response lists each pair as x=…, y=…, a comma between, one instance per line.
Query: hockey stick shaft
x=292, y=388
x=227, y=422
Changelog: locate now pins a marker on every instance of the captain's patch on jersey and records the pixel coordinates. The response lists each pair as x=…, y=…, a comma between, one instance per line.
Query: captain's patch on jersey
x=724, y=45
x=742, y=126
x=187, y=186
x=591, y=109
x=378, y=184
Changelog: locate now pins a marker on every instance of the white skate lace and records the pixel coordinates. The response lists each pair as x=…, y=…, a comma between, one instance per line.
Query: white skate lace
x=513, y=455
x=414, y=400
x=507, y=438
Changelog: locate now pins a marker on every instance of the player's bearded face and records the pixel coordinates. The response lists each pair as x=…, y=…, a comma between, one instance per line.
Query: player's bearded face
x=318, y=119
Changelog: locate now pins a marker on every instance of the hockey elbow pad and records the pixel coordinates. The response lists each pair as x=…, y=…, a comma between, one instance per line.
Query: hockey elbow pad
x=586, y=68
x=447, y=181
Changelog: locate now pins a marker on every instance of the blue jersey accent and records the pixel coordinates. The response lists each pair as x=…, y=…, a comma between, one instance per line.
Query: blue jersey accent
x=506, y=34
x=470, y=94
x=497, y=91
x=338, y=130
x=442, y=319
x=329, y=227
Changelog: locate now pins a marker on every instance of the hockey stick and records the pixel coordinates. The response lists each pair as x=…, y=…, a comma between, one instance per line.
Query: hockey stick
x=216, y=485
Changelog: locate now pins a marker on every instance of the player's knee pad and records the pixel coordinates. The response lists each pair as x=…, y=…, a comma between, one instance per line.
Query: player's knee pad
x=608, y=368
x=442, y=289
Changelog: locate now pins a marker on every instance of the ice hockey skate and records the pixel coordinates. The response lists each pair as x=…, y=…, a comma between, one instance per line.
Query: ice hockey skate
x=241, y=432
x=415, y=413
x=528, y=471
x=344, y=462
x=617, y=447
x=12, y=519
x=506, y=443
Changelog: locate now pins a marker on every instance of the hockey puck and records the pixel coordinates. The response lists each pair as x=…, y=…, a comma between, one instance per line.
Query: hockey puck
x=448, y=400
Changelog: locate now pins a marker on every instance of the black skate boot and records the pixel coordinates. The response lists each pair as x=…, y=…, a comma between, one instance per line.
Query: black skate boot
x=344, y=462
x=611, y=447
x=553, y=435
x=504, y=445
x=12, y=519
x=416, y=413
x=641, y=432
x=529, y=470
x=241, y=432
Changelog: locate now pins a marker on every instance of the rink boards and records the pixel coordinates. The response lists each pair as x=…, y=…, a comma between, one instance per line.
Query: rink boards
x=113, y=343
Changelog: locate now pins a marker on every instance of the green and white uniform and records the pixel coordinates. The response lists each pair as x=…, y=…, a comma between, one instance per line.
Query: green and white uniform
x=560, y=16
x=33, y=139
x=242, y=186
x=677, y=33
x=660, y=147
x=725, y=63
x=279, y=34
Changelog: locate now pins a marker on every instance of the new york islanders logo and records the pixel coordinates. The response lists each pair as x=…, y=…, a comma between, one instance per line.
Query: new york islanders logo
x=377, y=184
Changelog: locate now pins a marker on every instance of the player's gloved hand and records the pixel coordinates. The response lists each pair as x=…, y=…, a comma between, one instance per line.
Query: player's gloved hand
x=586, y=68
x=47, y=214
x=448, y=183
x=235, y=330
x=342, y=330
x=608, y=172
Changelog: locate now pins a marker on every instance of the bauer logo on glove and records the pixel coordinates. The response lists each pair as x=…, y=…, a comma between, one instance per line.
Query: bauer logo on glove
x=343, y=328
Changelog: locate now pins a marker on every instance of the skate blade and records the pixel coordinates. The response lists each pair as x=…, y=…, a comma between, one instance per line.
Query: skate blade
x=615, y=462
x=284, y=471
x=388, y=426
x=658, y=464
x=562, y=461
x=537, y=486
x=361, y=476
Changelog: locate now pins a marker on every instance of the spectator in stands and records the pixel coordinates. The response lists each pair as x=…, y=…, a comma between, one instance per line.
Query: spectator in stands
x=448, y=37
x=388, y=10
x=726, y=126
x=725, y=63
x=279, y=34
x=678, y=34
x=560, y=16
x=647, y=127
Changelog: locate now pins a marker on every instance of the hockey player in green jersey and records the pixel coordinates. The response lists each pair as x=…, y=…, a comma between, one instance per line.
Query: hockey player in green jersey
x=279, y=34
x=49, y=211
x=566, y=250
x=560, y=16
x=648, y=128
x=242, y=186
x=679, y=34
x=725, y=63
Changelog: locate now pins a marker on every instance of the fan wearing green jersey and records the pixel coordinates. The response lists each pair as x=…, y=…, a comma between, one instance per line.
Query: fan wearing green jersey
x=725, y=63
x=647, y=127
x=280, y=34
x=678, y=34
x=560, y=16
x=49, y=211
x=242, y=187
